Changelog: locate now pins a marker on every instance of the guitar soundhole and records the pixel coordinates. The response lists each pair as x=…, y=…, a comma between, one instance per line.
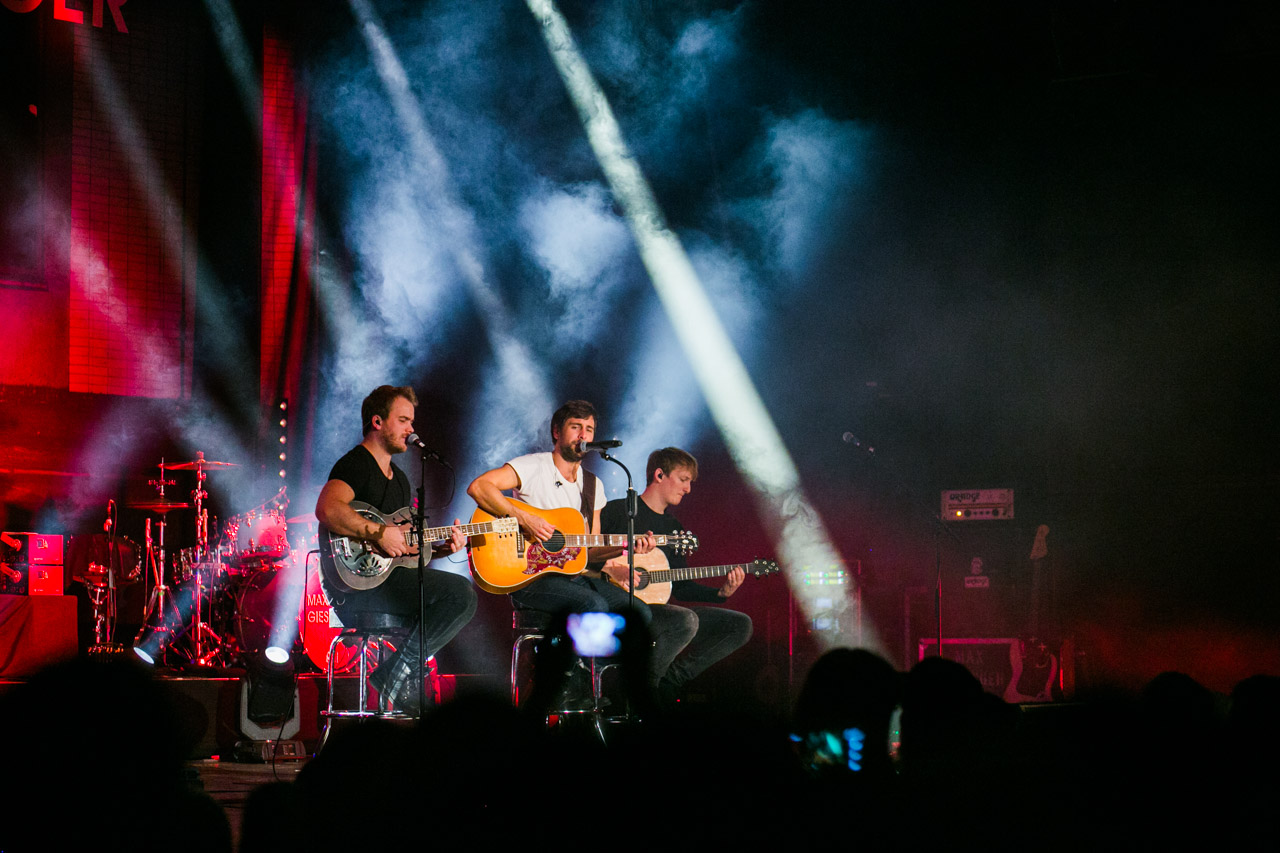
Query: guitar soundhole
x=554, y=544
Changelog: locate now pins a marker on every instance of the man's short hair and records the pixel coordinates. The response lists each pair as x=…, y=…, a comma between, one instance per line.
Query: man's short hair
x=379, y=401
x=669, y=459
x=580, y=409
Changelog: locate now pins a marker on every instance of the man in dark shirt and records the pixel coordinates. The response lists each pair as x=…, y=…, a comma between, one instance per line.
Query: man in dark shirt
x=717, y=631
x=367, y=474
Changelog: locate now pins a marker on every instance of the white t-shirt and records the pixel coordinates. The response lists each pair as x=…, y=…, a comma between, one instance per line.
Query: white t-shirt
x=542, y=485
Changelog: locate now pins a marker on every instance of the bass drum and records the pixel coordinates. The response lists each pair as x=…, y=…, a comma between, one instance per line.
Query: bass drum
x=320, y=625
x=267, y=607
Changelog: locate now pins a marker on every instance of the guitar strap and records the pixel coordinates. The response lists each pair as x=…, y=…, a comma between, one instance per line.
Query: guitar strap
x=588, y=497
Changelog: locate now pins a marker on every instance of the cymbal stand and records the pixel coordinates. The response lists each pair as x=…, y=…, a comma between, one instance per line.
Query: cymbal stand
x=160, y=596
x=104, y=604
x=199, y=628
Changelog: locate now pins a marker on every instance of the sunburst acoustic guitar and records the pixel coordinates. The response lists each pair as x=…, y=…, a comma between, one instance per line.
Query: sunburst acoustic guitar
x=507, y=561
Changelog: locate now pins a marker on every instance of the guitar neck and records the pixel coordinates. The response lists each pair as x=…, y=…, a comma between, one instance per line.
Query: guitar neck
x=434, y=534
x=690, y=574
x=608, y=540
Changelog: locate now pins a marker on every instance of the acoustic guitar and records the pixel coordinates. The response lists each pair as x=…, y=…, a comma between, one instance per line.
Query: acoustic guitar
x=656, y=574
x=508, y=560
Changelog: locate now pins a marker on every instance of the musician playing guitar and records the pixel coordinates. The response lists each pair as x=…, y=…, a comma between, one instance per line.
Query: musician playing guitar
x=716, y=632
x=558, y=480
x=367, y=474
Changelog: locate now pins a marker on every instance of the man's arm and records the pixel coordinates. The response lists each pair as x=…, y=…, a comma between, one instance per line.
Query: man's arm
x=333, y=510
x=487, y=491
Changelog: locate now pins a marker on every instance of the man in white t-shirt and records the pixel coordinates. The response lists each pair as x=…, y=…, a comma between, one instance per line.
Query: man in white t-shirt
x=555, y=480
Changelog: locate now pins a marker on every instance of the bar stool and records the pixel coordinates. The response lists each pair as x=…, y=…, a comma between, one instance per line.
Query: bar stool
x=373, y=631
x=532, y=625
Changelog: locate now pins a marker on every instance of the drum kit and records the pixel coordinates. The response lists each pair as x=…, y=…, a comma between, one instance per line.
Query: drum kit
x=237, y=592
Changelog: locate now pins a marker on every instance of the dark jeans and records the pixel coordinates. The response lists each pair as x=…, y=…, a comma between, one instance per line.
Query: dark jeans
x=450, y=604
x=558, y=595
x=719, y=632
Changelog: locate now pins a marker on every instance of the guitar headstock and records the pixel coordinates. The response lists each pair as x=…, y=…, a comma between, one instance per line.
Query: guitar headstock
x=683, y=542
x=760, y=568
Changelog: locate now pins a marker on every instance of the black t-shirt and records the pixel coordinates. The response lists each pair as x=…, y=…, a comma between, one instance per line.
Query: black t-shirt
x=613, y=519
x=359, y=470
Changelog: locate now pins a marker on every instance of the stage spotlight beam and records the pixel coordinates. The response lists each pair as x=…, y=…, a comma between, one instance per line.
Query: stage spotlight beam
x=739, y=413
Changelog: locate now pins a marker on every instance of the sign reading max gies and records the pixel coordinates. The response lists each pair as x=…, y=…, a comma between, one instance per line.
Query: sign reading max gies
x=74, y=11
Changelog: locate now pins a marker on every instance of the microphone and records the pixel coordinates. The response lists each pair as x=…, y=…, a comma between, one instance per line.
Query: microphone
x=421, y=445
x=585, y=447
x=850, y=438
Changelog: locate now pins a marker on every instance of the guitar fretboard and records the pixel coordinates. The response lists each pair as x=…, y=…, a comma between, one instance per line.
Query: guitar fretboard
x=689, y=574
x=602, y=540
x=432, y=534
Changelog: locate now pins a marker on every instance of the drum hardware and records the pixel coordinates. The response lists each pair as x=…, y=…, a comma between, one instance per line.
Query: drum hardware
x=199, y=464
x=206, y=644
x=162, y=619
x=235, y=592
x=104, y=562
x=160, y=507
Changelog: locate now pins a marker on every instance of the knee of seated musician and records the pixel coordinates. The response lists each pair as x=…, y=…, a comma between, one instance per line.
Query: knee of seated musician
x=742, y=627
x=451, y=590
x=730, y=624
x=677, y=622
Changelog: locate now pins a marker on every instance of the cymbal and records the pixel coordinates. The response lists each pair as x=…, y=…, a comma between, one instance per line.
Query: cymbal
x=198, y=463
x=309, y=518
x=160, y=507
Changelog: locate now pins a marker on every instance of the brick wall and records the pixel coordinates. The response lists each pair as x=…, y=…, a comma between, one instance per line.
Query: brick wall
x=135, y=109
x=282, y=150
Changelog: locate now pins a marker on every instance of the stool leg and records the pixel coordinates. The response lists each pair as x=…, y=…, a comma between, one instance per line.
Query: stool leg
x=515, y=665
x=364, y=672
x=329, y=667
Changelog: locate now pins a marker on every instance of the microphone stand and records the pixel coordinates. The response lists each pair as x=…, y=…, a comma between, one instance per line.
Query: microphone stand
x=936, y=521
x=631, y=559
x=631, y=530
x=419, y=532
x=419, y=528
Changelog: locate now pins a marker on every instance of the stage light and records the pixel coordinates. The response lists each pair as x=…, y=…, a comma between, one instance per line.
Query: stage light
x=749, y=433
x=276, y=654
x=270, y=678
x=167, y=622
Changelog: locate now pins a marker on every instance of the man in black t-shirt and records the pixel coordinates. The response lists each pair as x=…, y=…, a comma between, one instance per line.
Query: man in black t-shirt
x=367, y=474
x=719, y=631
